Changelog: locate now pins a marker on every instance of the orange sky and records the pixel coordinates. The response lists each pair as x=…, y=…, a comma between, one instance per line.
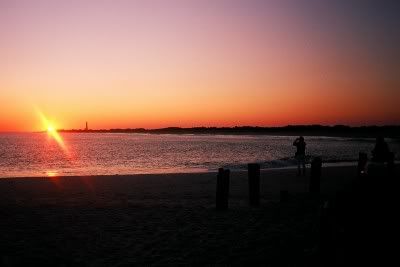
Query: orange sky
x=127, y=64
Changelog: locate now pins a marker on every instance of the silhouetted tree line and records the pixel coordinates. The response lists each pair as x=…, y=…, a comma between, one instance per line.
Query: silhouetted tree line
x=392, y=131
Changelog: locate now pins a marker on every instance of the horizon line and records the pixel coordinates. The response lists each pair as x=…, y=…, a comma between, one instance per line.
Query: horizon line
x=219, y=127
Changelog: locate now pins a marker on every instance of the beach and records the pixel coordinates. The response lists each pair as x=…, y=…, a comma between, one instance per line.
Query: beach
x=161, y=219
x=173, y=133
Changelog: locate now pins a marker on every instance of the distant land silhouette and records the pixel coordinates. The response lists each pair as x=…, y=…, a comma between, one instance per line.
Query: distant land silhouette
x=391, y=131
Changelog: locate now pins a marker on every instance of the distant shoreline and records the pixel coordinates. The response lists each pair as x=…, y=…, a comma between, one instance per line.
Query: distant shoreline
x=390, y=131
x=290, y=130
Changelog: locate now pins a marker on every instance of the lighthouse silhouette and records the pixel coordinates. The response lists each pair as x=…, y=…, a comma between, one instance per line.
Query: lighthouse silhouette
x=86, y=128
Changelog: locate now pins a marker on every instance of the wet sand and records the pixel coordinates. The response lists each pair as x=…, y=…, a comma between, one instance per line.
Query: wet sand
x=160, y=220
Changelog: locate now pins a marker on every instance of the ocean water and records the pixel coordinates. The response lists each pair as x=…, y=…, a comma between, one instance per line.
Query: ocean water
x=38, y=154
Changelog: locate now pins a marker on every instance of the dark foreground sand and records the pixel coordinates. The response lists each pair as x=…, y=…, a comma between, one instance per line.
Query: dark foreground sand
x=160, y=220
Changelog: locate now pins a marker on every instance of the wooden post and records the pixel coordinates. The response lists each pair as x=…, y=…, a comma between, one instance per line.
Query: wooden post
x=254, y=184
x=222, y=198
x=362, y=163
x=227, y=173
x=284, y=195
x=390, y=162
x=315, y=178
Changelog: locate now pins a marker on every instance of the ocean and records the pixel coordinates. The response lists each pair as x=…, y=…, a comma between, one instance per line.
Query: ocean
x=38, y=154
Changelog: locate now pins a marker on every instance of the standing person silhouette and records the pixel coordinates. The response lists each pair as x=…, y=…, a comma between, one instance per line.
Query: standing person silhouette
x=300, y=154
x=381, y=151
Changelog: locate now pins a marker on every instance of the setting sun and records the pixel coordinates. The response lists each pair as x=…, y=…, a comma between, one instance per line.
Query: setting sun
x=52, y=130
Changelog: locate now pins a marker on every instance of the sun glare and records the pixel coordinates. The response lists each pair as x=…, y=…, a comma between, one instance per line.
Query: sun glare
x=52, y=131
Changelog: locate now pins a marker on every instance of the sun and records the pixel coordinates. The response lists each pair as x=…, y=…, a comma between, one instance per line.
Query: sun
x=50, y=128
x=52, y=131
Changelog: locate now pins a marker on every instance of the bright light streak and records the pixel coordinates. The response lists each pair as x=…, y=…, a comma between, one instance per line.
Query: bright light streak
x=52, y=131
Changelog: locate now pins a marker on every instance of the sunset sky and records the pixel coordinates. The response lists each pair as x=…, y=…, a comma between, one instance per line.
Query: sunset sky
x=151, y=64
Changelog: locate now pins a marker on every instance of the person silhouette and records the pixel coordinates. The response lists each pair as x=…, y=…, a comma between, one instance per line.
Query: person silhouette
x=381, y=152
x=300, y=154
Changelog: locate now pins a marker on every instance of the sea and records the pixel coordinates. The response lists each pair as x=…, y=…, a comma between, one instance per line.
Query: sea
x=39, y=154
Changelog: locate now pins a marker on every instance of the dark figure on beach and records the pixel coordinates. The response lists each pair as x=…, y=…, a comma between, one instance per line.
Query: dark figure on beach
x=381, y=151
x=300, y=154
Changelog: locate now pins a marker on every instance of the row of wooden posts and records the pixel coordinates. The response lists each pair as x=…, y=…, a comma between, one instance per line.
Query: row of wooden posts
x=222, y=197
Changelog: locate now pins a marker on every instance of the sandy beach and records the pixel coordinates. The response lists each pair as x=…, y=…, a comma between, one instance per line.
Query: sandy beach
x=159, y=220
